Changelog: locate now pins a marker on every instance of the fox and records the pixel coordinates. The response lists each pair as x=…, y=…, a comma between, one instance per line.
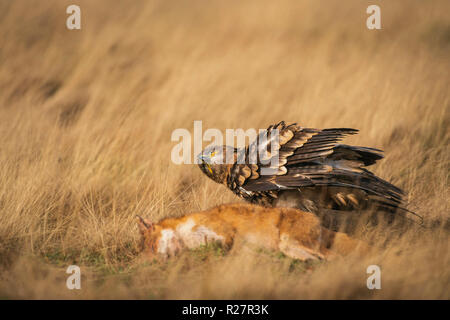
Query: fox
x=295, y=233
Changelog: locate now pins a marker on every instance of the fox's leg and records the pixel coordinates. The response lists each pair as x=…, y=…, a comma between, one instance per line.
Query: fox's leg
x=226, y=233
x=340, y=243
x=292, y=248
x=221, y=234
x=300, y=235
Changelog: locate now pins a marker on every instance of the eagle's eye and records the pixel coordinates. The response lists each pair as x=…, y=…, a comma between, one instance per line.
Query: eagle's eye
x=213, y=153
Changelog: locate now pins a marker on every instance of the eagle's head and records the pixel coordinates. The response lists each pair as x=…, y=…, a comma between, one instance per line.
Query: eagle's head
x=216, y=161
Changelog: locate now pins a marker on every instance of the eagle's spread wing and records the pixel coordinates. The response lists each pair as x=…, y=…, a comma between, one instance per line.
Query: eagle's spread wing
x=313, y=157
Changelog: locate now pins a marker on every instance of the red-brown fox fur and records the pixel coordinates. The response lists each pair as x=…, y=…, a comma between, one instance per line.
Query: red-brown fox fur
x=295, y=233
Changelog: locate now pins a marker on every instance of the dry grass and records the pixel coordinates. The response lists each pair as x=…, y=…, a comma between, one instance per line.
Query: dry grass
x=86, y=118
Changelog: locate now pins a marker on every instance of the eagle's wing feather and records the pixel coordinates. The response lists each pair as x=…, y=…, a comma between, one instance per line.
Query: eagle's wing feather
x=366, y=156
x=312, y=157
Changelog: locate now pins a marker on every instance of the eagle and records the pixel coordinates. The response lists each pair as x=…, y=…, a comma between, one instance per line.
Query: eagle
x=314, y=171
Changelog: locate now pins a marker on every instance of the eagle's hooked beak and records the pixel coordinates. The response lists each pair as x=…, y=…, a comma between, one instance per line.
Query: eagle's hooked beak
x=203, y=157
x=205, y=160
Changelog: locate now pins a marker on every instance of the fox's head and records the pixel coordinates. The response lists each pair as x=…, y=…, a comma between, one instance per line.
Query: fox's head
x=156, y=241
x=149, y=236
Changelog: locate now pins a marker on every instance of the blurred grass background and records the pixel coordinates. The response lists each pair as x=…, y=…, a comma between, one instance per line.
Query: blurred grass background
x=86, y=118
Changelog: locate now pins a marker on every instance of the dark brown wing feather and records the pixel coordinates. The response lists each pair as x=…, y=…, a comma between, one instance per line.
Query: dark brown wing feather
x=312, y=157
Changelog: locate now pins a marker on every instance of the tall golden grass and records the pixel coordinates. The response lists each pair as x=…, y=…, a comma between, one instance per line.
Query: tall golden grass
x=86, y=118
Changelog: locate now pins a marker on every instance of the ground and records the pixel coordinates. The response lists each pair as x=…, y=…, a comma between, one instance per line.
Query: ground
x=86, y=118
